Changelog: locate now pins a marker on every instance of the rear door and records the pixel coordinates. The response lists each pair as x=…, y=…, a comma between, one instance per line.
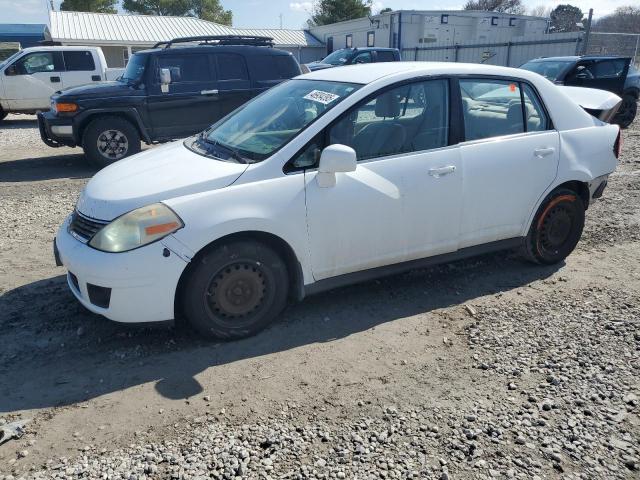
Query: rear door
x=235, y=87
x=509, y=158
x=32, y=79
x=81, y=68
x=192, y=102
x=604, y=74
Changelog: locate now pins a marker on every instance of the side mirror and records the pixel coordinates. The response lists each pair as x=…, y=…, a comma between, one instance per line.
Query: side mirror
x=334, y=159
x=11, y=71
x=165, y=79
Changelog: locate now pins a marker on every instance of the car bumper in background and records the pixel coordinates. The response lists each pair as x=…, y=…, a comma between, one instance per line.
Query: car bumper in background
x=56, y=131
x=133, y=287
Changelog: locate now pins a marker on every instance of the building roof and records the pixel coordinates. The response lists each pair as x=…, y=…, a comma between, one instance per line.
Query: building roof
x=23, y=29
x=116, y=29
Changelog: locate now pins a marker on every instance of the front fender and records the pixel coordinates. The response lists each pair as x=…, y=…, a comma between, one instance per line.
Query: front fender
x=83, y=118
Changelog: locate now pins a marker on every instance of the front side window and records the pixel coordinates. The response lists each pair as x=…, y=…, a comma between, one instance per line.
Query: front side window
x=78, y=61
x=38, y=62
x=265, y=124
x=186, y=68
x=409, y=118
x=609, y=68
x=364, y=57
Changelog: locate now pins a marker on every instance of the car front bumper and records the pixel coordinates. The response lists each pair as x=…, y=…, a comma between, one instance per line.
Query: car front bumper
x=56, y=131
x=138, y=286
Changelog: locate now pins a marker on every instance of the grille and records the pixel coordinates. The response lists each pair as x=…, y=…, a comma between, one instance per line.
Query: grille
x=83, y=227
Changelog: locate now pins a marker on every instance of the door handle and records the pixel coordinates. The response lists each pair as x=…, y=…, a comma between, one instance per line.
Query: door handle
x=96, y=78
x=543, y=152
x=442, y=171
x=210, y=92
x=54, y=79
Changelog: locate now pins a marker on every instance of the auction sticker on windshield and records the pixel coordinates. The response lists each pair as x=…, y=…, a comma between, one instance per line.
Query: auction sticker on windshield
x=321, y=97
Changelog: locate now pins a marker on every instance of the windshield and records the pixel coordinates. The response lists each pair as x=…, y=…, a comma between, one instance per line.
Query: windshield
x=135, y=69
x=263, y=125
x=338, y=57
x=550, y=69
x=6, y=61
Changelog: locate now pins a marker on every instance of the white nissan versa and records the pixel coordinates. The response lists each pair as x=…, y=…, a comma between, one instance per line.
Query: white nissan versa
x=335, y=177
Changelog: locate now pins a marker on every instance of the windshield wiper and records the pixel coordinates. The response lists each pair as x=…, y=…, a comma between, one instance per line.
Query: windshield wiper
x=235, y=154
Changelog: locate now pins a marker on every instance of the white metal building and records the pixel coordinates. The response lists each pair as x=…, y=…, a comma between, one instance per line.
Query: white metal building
x=451, y=35
x=121, y=35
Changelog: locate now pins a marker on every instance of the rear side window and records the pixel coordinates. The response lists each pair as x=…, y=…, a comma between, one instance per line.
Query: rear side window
x=491, y=108
x=186, y=68
x=385, y=56
x=272, y=67
x=78, y=61
x=537, y=120
x=231, y=67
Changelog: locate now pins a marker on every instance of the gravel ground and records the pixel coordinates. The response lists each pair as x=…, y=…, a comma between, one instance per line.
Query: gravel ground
x=487, y=368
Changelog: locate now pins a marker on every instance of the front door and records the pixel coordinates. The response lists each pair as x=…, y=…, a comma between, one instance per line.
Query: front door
x=192, y=101
x=605, y=74
x=403, y=200
x=508, y=162
x=31, y=80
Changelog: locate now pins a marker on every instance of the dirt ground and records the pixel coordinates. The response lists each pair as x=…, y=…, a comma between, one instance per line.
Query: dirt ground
x=429, y=341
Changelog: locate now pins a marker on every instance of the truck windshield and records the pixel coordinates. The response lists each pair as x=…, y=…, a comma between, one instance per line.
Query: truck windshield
x=339, y=57
x=550, y=69
x=265, y=124
x=135, y=69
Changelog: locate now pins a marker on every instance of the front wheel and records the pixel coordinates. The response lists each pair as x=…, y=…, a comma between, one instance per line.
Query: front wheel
x=627, y=112
x=109, y=139
x=235, y=290
x=3, y=114
x=556, y=228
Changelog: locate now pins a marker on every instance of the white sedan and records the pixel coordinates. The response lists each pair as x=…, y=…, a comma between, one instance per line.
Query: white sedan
x=335, y=177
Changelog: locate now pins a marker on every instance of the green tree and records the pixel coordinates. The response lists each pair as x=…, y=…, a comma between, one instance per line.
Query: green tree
x=514, y=7
x=99, y=6
x=332, y=11
x=206, y=9
x=386, y=10
x=623, y=20
x=565, y=18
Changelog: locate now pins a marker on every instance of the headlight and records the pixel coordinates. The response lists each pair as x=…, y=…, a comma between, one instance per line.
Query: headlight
x=137, y=228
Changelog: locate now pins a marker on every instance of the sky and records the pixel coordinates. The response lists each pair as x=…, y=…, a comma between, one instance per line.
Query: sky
x=266, y=13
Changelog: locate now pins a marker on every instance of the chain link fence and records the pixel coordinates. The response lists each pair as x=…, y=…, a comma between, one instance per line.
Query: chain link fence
x=609, y=43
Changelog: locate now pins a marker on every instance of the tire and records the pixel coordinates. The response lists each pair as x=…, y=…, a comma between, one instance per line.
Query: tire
x=556, y=228
x=627, y=112
x=109, y=139
x=235, y=290
x=3, y=114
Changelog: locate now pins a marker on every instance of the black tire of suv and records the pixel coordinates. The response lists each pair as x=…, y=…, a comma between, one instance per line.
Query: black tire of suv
x=107, y=125
x=627, y=112
x=235, y=290
x=556, y=228
x=3, y=114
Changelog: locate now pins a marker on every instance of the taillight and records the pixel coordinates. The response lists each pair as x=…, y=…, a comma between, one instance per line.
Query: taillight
x=617, y=146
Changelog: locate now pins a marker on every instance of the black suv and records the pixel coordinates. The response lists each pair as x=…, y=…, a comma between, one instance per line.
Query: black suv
x=615, y=74
x=167, y=92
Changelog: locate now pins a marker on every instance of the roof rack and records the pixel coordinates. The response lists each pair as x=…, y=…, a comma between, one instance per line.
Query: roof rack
x=253, y=40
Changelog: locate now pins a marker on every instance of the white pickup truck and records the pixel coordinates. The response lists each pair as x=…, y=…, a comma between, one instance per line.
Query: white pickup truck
x=29, y=77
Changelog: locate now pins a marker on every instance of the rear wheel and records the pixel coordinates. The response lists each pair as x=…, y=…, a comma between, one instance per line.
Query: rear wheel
x=627, y=112
x=556, y=228
x=3, y=114
x=235, y=290
x=109, y=139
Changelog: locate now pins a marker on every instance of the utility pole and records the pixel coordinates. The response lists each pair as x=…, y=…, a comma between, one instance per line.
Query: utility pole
x=587, y=33
x=280, y=21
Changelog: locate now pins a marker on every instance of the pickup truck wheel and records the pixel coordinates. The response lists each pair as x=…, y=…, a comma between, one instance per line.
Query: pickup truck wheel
x=235, y=290
x=627, y=112
x=109, y=139
x=556, y=228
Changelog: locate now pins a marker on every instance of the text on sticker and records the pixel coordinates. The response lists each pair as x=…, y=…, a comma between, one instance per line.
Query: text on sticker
x=321, y=97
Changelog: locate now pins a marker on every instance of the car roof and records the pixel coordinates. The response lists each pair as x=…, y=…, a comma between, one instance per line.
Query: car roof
x=240, y=49
x=371, y=72
x=56, y=47
x=575, y=58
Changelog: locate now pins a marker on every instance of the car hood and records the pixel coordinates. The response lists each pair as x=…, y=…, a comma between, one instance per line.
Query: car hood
x=152, y=176
x=319, y=66
x=96, y=90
